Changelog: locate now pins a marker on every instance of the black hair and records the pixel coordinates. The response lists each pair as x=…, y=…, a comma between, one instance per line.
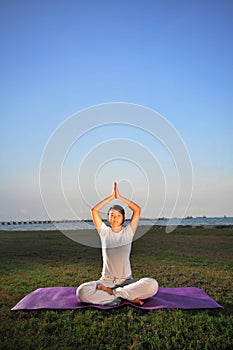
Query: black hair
x=118, y=208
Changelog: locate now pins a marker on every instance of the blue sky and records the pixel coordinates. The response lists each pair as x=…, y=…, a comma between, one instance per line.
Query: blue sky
x=60, y=57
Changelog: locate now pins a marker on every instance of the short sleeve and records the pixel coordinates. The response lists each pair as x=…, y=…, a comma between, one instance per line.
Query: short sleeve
x=103, y=229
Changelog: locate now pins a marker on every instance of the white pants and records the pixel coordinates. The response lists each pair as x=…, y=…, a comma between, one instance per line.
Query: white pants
x=142, y=289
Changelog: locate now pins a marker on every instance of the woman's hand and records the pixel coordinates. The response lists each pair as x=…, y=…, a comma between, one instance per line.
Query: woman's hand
x=115, y=190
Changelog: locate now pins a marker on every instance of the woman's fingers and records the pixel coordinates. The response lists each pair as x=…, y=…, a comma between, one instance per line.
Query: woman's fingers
x=115, y=189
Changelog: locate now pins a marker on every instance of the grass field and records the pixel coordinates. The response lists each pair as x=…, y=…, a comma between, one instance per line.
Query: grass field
x=196, y=257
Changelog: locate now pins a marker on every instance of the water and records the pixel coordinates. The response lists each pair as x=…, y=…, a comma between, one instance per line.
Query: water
x=83, y=225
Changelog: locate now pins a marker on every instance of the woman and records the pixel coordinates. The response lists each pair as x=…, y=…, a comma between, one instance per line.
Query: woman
x=116, y=282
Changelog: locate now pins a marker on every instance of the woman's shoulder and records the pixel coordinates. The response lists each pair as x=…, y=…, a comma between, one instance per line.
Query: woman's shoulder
x=127, y=229
x=104, y=228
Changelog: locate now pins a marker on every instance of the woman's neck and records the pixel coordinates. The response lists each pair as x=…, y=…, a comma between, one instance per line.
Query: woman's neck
x=116, y=229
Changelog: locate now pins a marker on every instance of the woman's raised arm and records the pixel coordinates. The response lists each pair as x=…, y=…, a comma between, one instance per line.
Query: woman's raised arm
x=133, y=206
x=97, y=220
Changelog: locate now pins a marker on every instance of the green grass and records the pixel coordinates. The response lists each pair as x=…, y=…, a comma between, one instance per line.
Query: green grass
x=187, y=257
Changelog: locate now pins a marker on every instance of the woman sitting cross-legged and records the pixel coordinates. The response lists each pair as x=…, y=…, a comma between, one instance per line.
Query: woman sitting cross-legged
x=116, y=282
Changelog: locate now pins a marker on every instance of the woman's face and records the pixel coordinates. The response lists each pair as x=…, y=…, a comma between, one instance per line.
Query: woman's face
x=115, y=218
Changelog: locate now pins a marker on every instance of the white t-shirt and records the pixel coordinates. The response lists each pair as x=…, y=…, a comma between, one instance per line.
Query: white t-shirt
x=116, y=248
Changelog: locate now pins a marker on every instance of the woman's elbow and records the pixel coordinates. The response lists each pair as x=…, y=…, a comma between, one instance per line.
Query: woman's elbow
x=138, y=211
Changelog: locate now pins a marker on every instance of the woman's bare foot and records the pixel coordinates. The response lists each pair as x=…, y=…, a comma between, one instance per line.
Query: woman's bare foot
x=105, y=289
x=109, y=291
x=137, y=301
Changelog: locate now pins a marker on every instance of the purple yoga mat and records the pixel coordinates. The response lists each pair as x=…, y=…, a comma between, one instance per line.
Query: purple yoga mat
x=65, y=298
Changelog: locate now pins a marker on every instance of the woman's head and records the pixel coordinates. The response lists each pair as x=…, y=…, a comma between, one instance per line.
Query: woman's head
x=117, y=213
